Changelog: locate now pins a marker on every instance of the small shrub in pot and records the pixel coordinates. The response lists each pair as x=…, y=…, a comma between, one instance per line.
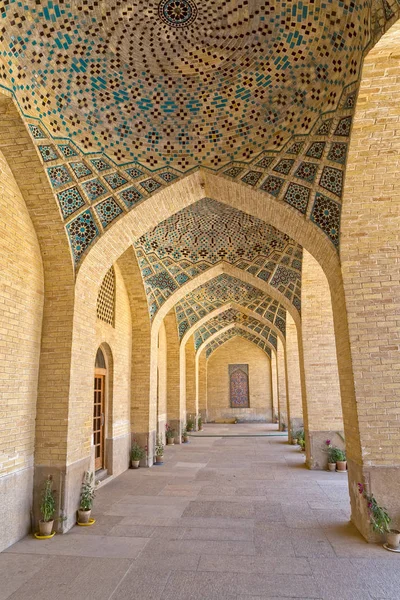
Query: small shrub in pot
x=380, y=519
x=190, y=424
x=159, y=450
x=169, y=434
x=137, y=454
x=340, y=457
x=87, y=497
x=185, y=437
x=47, y=508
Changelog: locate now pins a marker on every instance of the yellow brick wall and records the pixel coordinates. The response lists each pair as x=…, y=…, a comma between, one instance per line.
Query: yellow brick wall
x=294, y=393
x=162, y=377
x=239, y=351
x=282, y=383
x=370, y=251
x=21, y=306
x=190, y=370
x=173, y=381
x=117, y=345
x=274, y=382
x=323, y=407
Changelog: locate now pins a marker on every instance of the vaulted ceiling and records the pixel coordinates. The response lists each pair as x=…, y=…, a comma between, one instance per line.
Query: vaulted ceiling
x=123, y=98
x=227, y=335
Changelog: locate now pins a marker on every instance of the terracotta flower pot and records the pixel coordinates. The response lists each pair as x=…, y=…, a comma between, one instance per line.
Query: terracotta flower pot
x=46, y=527
x=341, y=465
x=185, y=439
x=170, y=441
x=135, y=464
x=84, y=516
x=294, y=441
x=393, y=539
x=331, y=466
x=159, y=459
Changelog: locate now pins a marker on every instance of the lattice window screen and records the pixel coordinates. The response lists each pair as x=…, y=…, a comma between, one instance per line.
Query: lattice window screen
x=106, y=298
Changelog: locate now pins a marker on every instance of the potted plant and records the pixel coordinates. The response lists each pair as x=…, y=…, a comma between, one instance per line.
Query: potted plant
x=47, y=508
x=190, y=423
x=283, y=426
x=137, y=453
x=159, y=451
x=169, y=434
x=87, y=497
x=200, y=423
x=185, y=437
x=301, y=440
x=331, y=450
x=340, y=457
x=380, y=520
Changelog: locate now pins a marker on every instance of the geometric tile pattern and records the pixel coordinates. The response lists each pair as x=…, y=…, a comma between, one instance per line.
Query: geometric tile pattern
x=229, y=317
x=332, y=180
x=231, y=333
x=70, y=201
x=297, y=196
x=107, y=211
x=204, y=234
x=221, y=290
x=326, y=214
x=81, y=232
x=226, y=84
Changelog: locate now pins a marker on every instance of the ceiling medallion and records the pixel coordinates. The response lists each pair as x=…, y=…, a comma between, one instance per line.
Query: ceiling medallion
x=177, y=13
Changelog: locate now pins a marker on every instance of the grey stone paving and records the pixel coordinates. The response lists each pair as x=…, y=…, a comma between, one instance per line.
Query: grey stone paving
x=223, y=519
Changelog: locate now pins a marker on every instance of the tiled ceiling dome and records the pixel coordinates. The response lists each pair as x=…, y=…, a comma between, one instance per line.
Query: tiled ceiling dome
x=180, y=83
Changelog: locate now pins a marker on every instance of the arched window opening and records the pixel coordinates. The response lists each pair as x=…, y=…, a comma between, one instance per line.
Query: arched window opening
x=100, y=373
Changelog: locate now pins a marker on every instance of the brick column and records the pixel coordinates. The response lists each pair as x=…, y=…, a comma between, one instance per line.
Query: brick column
x=274, y=382
x=201, y=385
x=323, y=410
x=190, y=380
x=281, y=369
x=370, y=251
x=294, y=390
x=175, y=413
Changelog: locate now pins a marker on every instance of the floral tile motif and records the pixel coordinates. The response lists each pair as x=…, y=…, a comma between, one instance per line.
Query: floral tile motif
x=67, y=151
x=298, y=197
x=316, y=149
x=295, y=148
x=350, y=101
x=265, y=162
x=337, y=152
x=307, y=171
x=80, y=169
x=150, y=185
x=332, y=180
x=115, y=180
x=130, y=196
x=93, y=189
x=59, y=175
x=326, y=214
x=70, y=201
x=325, y=128
x=284, y=166
x=251, y=178
x=134, y=173
x=48, y=153
x=343, y=127
x=234, y=171
x=272, y=185
x=100, y=164
x=168, y=177
x=81, y=232
x=37, y=132
x=107, y=211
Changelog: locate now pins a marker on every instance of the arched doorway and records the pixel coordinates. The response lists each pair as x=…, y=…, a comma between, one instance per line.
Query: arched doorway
x=100, y=373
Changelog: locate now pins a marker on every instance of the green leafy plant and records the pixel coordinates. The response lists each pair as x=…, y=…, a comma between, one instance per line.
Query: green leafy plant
x=159, y=449
x=338, y=455
x=199, y=422
x=378, y=515
x=87, y=492
x=48, y=503
x=283, y=426
x=137, y=452
x=190, y=423
x=169, y=432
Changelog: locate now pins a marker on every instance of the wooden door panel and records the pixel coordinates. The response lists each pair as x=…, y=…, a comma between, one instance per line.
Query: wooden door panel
x=98, y=421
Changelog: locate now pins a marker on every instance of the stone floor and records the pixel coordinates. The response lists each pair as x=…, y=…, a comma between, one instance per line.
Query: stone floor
x=234, y=518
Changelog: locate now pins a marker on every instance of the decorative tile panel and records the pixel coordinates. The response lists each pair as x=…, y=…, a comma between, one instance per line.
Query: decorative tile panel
x=297, y=196
x=70, y=201
x=115, y=180
x=326, y=214
x=93, y=189
x=81, y=232
x=107, y=211
x=332, y=180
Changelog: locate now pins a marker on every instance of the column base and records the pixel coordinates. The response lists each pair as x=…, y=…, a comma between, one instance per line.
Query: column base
x=177, y=426
x=384, y=484
x=316, y=455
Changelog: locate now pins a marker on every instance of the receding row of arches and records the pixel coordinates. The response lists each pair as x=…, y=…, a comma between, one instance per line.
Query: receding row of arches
x=124, y=345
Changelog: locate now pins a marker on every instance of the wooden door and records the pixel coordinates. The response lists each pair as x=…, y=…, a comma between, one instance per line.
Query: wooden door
x=98, y=420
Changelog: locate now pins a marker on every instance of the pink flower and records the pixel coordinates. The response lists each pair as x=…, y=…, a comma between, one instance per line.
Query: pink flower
x=328, y=442
x=360, y=488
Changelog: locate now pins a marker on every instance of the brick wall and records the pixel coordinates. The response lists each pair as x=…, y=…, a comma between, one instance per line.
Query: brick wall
x=239, y=351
